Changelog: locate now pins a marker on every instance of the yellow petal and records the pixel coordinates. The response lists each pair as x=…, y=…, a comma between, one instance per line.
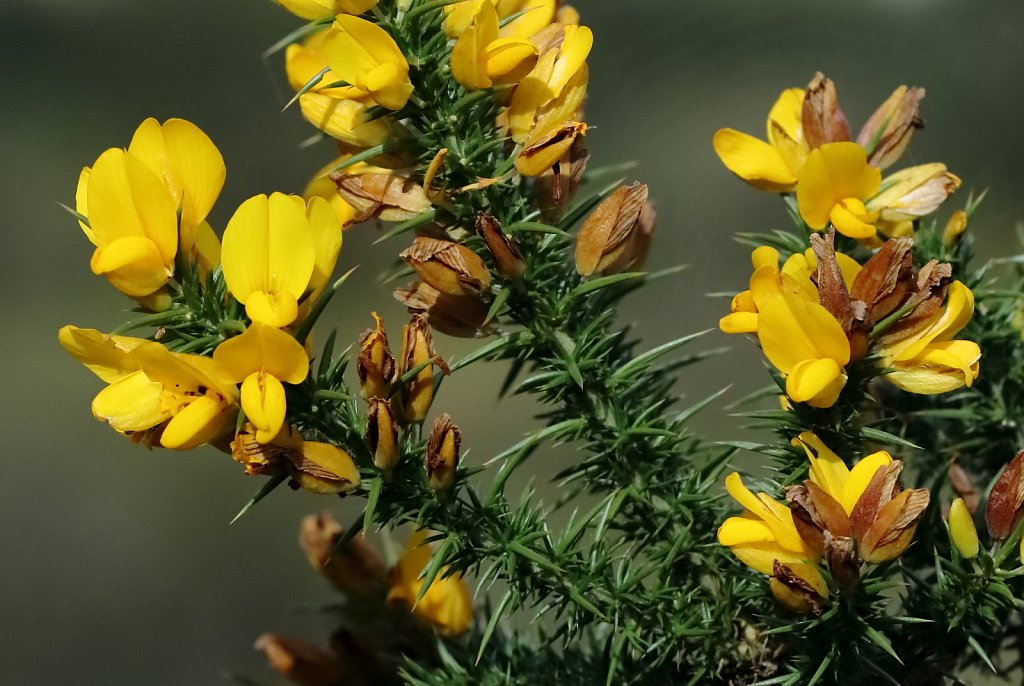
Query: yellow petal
x=849, y=218
x=125, y=198
x=344, y=120
x=537, y=15
x=264, y=403
x=816, y=382
x=827, y=470
x=131, y=404
x=108, y=357
x=341, y=474
x=739, y=322
x=939, y=368
x=786, y=113
x=322, y=186
x=188, y=162
x=832, y=173
x=132, y=264
x=764, y=256
x=744, y=530
x=268, y=249
x=200, y=422
x=308, y=9
x=200, y=246
x=775, y=515
x=762, y=556
x=82, y=202
x=327, y=239
x=756, y=162
x=467, y=62
x=576, y=46
x=263, y=348
x=955, y=316
x=792, y=329
x=860, y=477
x=355, y=48
x=914, y=192
x=962, y=530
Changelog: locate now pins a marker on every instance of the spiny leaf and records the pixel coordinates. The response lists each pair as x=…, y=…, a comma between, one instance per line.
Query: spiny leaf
x=265, y=490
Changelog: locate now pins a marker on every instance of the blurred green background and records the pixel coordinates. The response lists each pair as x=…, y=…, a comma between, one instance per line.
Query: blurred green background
x=118, y=566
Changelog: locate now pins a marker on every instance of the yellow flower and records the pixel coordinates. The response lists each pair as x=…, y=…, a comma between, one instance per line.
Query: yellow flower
x=269, y=256
x=364, y=55
x=183, y=400
x=537, y=14
x=319, y=9
x=133, y=223
x=772, y=165
x=552, y=93
x=832, y=187
x=962, y=531
x=481, y=58
x=261, y=359
x=765, y=533
x=830, y=473
x=305, y=61
x=913, y=192
x=347, y=120
x=446, y=605
x=930, y=360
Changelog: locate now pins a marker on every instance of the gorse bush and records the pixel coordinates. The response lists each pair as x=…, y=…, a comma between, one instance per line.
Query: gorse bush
x=890, y=419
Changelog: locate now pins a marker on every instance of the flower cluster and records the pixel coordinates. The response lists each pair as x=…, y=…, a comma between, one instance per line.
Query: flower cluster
x=840, y=516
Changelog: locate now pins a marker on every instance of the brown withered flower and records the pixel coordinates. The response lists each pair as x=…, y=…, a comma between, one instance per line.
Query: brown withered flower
x=418, y=349
x=1006, y=499
x=390, y=197
x=822, y=119
x=963, y=485
x=448, y=266
x=559, y=184
x=887, y=132
x=504, y=252
x=375, y=365
x=442, y=456
x=616, y=235
x=543, y=150
x=314, y=466
x=382, y=435
x=300, y=661
x=355, y=569
x=455, y=315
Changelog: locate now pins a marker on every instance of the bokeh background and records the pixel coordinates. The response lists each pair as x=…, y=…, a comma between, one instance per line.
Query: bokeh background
x=116, y=564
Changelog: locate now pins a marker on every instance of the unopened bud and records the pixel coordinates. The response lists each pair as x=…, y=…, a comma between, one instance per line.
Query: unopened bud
x=355, y=569
x=447, y=266
x=506, y=255
x=558, y=185
x=417, y=350
x=617, y=233
x=822, y=119
x=455, y=315
x=1006, y=499
x=300, y=661
x=962, y=530
x=443, y=453
x=382, y=435
x=375, y=365
x=323, y=468
x=955, y=228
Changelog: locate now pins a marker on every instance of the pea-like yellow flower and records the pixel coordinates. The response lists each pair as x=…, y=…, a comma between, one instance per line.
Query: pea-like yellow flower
x=319, y=9
x=133, y=223
x=364, y=55
x=182, y=401
x=775, y=164
x=480, y=58
x=927, y=358
x=552, y=93
x=536, y=15
x=269, y=257
x=305, y=61
x=832, y=187
x=962, y=531
x=446, y=605
x=262, y=359
x=766, y=539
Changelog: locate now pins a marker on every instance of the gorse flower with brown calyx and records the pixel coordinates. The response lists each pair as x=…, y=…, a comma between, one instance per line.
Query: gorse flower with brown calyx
x=822, y=310
x=838, y=181
x=843, y=517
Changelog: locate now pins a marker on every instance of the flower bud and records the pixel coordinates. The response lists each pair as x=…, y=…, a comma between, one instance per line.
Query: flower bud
x=1005, y=499
x=448, y=267
x=389, y=197
x=887, y=133
x=375, y=365
x=323, y=468
x=417, y=349
x=506, y=255
x=962, y=484
x=300, y=661
x=607, y=235
x=955, y=228
x=962, y=531
x=455, y=315
x=798, y=587
x=382, y=435
x=443, y=453
x=355, y=569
